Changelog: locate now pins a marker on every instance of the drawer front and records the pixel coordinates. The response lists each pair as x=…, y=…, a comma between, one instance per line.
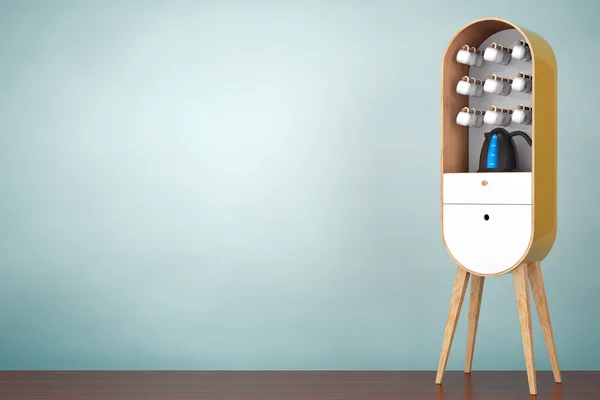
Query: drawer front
x=487, y=188
x=487, y=245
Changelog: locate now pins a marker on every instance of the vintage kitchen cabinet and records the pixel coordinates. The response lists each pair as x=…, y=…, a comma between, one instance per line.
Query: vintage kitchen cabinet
x=495, y=73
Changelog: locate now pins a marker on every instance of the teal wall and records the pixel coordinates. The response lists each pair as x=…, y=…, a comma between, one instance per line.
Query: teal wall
x=254, y=185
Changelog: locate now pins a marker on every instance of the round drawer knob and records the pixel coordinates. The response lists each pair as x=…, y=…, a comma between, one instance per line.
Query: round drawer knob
x=484, y=182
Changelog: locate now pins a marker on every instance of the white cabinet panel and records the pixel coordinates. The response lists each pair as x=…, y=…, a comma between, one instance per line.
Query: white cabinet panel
x=487, y=188
x=487, y=245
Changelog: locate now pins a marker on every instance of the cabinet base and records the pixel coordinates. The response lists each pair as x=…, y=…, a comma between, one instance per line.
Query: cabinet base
x=525, y=275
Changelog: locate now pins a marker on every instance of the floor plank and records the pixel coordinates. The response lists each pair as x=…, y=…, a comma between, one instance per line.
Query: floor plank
x=292, y=385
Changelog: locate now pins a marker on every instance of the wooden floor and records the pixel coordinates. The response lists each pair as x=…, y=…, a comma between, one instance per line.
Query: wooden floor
x=300, y=385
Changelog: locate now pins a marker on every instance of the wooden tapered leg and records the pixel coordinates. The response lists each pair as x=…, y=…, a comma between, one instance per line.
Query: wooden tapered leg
x=522, y=293
x=474, y=307
x=456, y=300
x=541, y=302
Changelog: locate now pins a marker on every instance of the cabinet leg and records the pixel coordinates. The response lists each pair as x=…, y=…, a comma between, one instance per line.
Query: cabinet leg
x=522, y=294
x=458, y=295
x=474, y=307
x=541, y=302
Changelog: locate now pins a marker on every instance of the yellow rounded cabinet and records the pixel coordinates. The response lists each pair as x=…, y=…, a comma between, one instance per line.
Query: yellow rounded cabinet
x=498, y=172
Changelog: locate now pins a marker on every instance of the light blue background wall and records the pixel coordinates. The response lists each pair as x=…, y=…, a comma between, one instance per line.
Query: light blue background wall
x=254, y=185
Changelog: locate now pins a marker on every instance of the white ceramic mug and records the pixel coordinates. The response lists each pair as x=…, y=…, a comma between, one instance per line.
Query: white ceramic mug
x=521, y=52
x=496, y=87
x=478, y=59
x=521, y=84
x=497, y=56
x=492, y=86
x=469, y=119
x=522, y=117
x=469, y=88
x=478, y=121
x=465, y=57
x=464, y=118
x=469, y=58
x=492, y=55
x=478, y=90
x=464, y=88
x=497, y=118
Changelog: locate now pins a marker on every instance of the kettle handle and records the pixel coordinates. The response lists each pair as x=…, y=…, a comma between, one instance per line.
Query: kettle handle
x=521, y=133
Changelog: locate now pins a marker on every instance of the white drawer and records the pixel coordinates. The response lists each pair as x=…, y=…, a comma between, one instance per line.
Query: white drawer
x=487, y=245
x=487, y=188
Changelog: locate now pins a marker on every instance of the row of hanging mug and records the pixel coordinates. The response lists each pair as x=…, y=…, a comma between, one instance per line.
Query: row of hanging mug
x=493, y=53
x=494, y=116
x=494, y=84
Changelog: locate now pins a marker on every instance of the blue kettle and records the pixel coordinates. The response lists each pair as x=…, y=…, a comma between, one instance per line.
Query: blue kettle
x=499, y=153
